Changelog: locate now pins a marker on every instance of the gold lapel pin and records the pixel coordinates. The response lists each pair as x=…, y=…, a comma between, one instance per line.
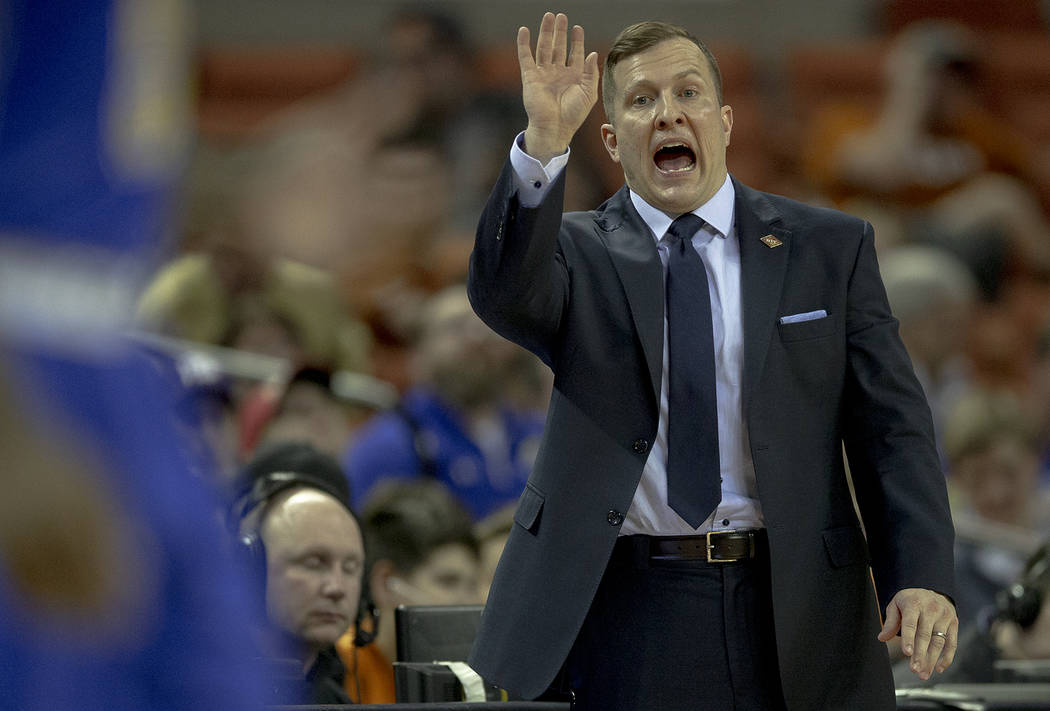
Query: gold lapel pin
x=771, y=241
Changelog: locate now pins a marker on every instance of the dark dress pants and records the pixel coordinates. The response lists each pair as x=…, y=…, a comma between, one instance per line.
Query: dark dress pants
x=677, y=636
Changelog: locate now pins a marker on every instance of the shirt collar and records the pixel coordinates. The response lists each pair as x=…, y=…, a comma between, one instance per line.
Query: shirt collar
x=717, y=212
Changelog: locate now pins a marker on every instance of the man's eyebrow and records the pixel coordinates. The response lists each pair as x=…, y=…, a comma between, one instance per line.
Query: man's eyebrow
x=312, y=550
x=687, y=72
x=644, y=82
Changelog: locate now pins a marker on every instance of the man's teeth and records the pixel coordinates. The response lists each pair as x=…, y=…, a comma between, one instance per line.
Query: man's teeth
x=675, y=158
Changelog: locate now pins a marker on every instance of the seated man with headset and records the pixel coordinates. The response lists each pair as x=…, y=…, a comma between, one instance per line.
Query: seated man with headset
x=1016, y=629
x=304, y=546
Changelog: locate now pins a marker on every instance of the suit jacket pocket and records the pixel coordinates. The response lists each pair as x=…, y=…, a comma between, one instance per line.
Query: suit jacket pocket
x=530, y=506
x=805, y=330
x=845, y=546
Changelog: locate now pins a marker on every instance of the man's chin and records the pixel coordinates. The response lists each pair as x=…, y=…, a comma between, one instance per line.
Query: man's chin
x=677, y=200
x=324, y=635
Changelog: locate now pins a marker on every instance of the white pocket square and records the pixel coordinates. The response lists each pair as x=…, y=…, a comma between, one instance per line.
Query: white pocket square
x=808, y=316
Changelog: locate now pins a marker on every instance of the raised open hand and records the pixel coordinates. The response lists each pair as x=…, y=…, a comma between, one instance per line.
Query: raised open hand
x=558, y=90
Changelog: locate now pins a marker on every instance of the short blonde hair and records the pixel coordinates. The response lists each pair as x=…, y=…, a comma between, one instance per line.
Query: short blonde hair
x=640, y=37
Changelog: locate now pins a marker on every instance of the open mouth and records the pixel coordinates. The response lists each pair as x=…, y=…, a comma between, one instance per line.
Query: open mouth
x=675, y=158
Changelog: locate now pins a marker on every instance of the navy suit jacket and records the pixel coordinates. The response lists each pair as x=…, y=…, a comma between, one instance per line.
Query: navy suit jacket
x=584, y=291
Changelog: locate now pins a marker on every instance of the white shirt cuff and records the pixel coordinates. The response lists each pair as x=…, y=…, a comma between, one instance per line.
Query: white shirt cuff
x=533, y=179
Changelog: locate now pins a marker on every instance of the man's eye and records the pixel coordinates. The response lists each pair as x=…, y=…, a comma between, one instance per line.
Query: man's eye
x=690, y=93
x=449, y=581
x=313, y=562
x=640, y=100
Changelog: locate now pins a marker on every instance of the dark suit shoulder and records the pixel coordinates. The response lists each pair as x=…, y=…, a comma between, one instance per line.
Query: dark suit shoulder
x=615, y=214
x=577, y=223
x=797, y=215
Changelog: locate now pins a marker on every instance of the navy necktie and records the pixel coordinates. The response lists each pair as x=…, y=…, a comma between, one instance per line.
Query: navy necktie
x=694, y=486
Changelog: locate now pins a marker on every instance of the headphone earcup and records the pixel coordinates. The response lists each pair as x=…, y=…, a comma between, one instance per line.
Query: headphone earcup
x=366, y=626
x=1020, y=604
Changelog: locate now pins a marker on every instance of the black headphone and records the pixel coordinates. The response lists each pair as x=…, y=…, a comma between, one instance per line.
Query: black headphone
x=252, y=552
x=1022, y=601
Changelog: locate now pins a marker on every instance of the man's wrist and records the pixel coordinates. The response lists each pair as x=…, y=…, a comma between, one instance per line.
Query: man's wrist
x=542, y=147
x=532, y=178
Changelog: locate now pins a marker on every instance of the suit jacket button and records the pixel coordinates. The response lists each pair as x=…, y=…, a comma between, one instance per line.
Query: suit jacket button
x=640, y=445
x=614, y=517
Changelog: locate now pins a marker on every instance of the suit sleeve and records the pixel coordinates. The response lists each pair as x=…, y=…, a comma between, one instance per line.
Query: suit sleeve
x=888, y=433
x=518, y=281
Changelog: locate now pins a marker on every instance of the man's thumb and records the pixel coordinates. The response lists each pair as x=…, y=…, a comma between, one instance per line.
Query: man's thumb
x=892, y=623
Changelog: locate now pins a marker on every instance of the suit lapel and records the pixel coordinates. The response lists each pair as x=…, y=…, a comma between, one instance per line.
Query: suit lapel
x=631, y=246
x=762, y=269
x=633, y=251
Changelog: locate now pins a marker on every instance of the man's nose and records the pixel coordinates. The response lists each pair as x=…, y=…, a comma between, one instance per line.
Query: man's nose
x=668, y=113
x=334, y=585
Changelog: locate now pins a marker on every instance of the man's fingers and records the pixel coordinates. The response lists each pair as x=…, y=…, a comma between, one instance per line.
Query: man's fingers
x=590, y=68
x=525, y=60
x=909, y=625
x=576, y=51
x=950, y=645
x=545, y=40
x=938, y=639
x=937, y=628
x=561, y=28
x=944, y=641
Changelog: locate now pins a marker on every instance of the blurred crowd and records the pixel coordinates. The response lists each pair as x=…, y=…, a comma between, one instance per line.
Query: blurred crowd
x=331, y=376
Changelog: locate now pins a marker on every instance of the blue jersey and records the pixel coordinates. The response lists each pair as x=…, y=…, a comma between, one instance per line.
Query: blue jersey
x=426, y=437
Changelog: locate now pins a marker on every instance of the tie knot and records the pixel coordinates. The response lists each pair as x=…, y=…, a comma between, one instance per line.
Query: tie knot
x=684, y=227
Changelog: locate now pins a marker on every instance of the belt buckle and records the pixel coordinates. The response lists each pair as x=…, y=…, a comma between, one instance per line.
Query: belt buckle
x=711, y=547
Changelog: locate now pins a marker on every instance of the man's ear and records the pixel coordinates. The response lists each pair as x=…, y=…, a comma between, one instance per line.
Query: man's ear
x=727, y=121
x=609, y=141
x=379, y=583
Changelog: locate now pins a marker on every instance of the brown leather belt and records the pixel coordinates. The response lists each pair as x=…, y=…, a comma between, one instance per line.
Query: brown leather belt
x=713, y=547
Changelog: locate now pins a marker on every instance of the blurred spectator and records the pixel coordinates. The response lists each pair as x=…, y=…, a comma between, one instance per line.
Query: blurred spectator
x=932, y=294
x=360, y=199
x=421, y=551
x=275, y=465
x=230, y=296
x=993, y=457
x=933, y=131
x=228, y=293
x=1017, y=630
x=259, y=326
x=317, y=406
x=372, y=201
x=472, y=421
x=429, y=49
x=304, y=552
x=1038, y=401
x=934, y=159
x=206, y=416
x=492, y=532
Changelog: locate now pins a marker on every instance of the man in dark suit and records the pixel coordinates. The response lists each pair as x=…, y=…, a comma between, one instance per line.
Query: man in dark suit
x=647, y=596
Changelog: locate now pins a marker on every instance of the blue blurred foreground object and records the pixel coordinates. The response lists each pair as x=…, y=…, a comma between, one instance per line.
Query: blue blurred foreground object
x=116, y=589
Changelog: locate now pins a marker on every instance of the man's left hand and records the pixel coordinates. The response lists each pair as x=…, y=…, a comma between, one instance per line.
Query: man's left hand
x=928, y=626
